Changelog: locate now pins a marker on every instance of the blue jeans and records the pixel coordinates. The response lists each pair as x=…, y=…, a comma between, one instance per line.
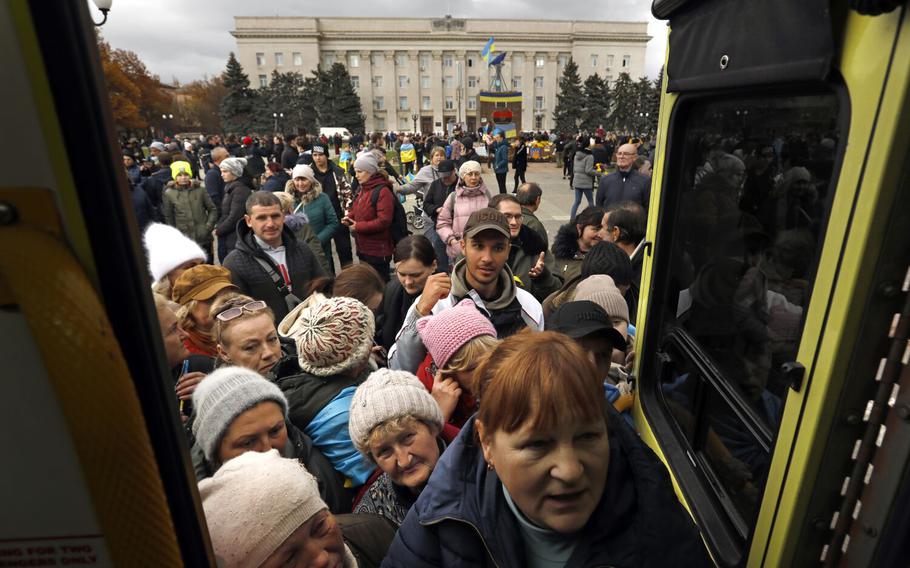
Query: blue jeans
x=578, y=193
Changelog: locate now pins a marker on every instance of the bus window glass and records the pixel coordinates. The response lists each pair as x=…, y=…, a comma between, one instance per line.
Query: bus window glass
x=750, y=195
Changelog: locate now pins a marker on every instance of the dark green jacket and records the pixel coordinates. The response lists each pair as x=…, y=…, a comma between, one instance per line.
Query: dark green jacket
x=191, y=211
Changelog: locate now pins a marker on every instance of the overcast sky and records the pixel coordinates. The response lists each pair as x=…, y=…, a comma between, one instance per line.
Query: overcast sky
x=187, y=40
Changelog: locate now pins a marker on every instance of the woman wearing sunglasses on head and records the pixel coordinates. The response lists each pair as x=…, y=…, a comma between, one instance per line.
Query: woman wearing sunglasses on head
x=245, y=333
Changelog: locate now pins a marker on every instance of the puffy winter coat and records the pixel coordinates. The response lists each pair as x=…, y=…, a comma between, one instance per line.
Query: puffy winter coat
x=462, y=519
x=233, y=208
x=372, y=233
x=565, y=250
x=583, y=170
x=455, y=212
x=191, y=211
x=321, y=217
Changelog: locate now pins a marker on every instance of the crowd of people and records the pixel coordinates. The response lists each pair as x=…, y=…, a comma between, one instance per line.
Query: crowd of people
x=454, y=398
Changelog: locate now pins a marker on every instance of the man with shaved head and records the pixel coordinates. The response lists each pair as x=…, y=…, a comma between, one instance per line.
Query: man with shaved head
x=625, y=184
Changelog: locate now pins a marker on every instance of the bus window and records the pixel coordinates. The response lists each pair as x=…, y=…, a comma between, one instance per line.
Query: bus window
x=746, y=199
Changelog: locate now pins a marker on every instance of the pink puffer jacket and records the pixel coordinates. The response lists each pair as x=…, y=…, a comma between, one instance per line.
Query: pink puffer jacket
x=455, y=212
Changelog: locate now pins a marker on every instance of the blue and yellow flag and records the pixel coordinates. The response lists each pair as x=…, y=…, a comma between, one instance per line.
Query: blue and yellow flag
x=487, y=52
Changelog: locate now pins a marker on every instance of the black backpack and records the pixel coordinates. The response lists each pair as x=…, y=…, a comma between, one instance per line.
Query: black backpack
x=399, y=227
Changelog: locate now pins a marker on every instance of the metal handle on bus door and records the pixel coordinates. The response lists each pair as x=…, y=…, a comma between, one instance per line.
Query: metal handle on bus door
x=794, y=372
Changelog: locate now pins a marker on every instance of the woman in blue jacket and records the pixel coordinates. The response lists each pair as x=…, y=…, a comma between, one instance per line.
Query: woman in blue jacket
x=317, y=205
x=546, y=475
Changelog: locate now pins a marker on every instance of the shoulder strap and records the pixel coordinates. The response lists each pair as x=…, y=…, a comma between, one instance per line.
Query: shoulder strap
x=290, y=299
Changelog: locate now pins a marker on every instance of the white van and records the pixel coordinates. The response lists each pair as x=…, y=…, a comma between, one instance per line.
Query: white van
x=330, y=132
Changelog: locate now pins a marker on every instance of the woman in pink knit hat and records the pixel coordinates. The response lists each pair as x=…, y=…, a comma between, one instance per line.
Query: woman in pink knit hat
x=456, y=340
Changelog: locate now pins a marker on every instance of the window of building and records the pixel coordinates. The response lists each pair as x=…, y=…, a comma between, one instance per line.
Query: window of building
x=538, y=103
x=472, y=103
x=377, y=81
x=470, y=62
x=424, y=61
x=263, y=81
x=538, y=82
x=404, y=123
x=448, y=81
x=298, y=59
x=450, y=103
x=378, y=103
x=328, y=59
x=518, y=60
x=402, y=103
x=426, y=103
x=626, y=60
x=516, y=82
x=279, y=59
x=403, y=81
x=355, y=81
x=538, y=122
x=260, y=59
x=540, y=61
x=380, y=122
x=609, y=61
x=714, y=375
x=447, y=60
x=354, y=60
x=472, y=81
x=401, y=59
x=562, y=60
x=376, y=59
x=425, y=82
x=594, y=60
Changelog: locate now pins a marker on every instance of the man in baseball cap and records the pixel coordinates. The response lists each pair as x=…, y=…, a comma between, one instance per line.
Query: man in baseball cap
x=483, y=275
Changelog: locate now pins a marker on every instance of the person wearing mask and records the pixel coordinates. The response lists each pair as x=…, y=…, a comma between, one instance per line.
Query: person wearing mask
x=170, y=253
x=574, y=239
x=306, y=188
x=195, y=291
x=482, y=275
x=214, y=182
x=520, y=161
x=371, y=224
x=397, y=425
x=414, y=260
x=334, y=339
x=236, y=192
x=334, y=183
x=500, y=159
x=189, y=208
x=582, y=175
x=433, y=201
x=626, y=183
x=265, y=510
x=470, y=195
x=531, y=263
x=268, y=262
x=547, y=475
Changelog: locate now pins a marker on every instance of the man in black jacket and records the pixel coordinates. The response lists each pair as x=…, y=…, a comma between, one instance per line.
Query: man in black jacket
x=214, y=183
x=154, y=184
x=625, y=184
x=265, y=247
x=289, y=154
x=433, y=201
x=328, y=174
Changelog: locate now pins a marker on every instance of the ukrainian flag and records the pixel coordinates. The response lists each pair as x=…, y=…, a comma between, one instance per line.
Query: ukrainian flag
x=487, y=52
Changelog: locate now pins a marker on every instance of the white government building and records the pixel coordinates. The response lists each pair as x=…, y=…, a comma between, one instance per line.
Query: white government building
x=428, y=72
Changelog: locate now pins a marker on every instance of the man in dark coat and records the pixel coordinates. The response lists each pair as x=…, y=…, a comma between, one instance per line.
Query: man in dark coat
x=329, y=175
x=436, y=196
x=625, y=184
x=214, y=183
x=289, y=154
x=262, y=236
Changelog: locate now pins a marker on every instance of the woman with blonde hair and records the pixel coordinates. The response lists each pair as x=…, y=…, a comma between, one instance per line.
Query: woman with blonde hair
x=196, y=290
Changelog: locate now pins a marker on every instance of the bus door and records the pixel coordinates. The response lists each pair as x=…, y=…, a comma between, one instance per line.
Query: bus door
x=763, y=188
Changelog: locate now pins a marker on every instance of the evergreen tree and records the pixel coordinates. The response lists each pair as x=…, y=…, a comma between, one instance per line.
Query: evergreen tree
x=644, y=95
x=335, y=99
x=569, y=101
x=597, y=103
x=238, y=104
x=654, y=101
x=625, y=104
x=285, y=94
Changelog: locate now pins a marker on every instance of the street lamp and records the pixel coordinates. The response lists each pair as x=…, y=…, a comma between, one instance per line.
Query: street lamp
x=104, y=6
x=414, y=118
x=276, y=116
x=166, y=118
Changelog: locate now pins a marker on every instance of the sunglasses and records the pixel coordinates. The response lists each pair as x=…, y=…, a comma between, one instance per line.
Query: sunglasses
x=236, y=312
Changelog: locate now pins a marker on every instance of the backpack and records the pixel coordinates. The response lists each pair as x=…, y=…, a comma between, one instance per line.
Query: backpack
x=399, y=227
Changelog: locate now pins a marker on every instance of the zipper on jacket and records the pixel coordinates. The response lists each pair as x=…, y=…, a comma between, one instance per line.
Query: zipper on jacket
x=470, y=524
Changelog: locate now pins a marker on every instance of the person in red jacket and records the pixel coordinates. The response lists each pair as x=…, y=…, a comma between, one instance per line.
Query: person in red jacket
x=371, y=224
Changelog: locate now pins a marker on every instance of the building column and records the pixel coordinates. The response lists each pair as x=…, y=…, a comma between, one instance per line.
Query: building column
x=389, y=78
x=436, y=89
x=461, y=86
x=413, y=90
x=527, y=88
x=365, y=72
x=551, y=82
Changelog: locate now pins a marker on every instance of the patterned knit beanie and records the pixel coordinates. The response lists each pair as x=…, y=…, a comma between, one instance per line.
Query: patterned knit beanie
x=607, y=258
x=254, y=503
x=387, y=395
x=445, y=333
x=222, y=396
x=332, y=336
x=601, y=290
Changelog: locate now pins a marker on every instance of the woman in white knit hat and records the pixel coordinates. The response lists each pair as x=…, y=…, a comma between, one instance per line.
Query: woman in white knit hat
x=170, y=254
x=238, y=411
x=263, y=510
x=397, y=424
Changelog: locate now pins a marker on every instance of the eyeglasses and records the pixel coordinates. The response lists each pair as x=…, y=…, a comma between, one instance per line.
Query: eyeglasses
x=236, y=312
